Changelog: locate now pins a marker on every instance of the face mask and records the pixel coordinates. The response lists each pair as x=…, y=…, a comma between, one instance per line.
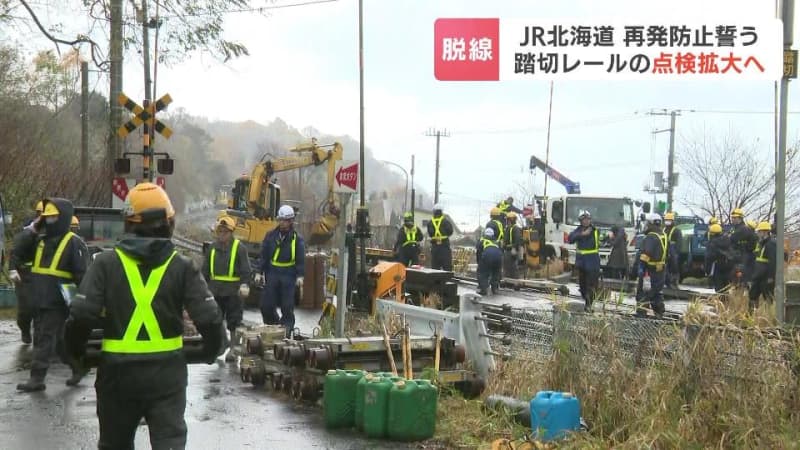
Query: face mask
x=50, y=220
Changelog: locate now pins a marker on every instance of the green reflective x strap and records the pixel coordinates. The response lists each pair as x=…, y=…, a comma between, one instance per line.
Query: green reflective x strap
x=52, y=270
x=596, y=248
x=230, y=276
x=143, y=314
x=290, y=263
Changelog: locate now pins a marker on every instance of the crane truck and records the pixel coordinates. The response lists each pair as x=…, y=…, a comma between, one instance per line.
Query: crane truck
x=559, y=217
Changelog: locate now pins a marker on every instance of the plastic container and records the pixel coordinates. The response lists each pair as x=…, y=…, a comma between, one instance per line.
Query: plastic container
x=376, y=406
x=554, y=414
x=339, y=397
x=412, y=410
x=359, y=404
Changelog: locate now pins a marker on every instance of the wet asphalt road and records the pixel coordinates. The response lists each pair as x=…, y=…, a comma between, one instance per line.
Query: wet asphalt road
x=222, y=412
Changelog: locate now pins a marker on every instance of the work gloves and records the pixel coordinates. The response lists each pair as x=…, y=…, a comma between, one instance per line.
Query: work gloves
x=13, y=275
x=299, y=282
x=244, y=290
x=212, y=341
x=259, y=279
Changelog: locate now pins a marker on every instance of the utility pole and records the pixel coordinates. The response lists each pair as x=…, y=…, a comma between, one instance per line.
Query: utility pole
x=780, y=170
x=671, y=178
x=147, y=151
x=438, y=134
x=413, y=194
x=115, y=88
x=84, y=118
x=362, y=214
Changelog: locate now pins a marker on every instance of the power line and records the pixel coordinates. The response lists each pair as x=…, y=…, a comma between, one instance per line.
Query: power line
x=579, y=124
x=254, y=9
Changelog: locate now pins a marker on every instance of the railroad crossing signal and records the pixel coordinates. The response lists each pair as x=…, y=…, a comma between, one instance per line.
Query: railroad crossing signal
x=142, y=115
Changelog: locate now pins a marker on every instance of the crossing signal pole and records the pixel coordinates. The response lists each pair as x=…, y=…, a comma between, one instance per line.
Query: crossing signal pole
x=438, y=134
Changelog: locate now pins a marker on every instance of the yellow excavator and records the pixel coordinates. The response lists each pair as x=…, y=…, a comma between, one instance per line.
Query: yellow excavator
x=255, y=198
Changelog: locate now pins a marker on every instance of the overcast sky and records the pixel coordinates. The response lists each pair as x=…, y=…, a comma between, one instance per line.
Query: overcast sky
x=303, y=67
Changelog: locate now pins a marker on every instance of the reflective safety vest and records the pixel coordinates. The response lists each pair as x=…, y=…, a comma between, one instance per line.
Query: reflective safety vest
x=53, y=269
x=229, y=276
x=488, y=243
x=500, y=231
x=595, y=249
x=437, y=232
x=669, y=236
x=411, y=236
x=760, y=257
x=143, y=314
x=659, y=264
x=289, y=263
x=503, y=206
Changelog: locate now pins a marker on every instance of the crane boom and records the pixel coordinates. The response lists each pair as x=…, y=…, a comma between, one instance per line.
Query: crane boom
x=572, y=187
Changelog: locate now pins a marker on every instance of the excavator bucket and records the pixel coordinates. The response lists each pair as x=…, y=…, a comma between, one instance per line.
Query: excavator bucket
x=322, y=231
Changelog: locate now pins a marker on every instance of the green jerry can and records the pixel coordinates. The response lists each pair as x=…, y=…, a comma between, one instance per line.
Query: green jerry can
x=339, y=397
x=376, y=406
x=359, y=405
x=412, y=410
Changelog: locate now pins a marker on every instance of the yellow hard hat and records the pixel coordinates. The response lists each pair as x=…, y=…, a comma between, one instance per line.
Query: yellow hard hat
x=713, y=220
x=50, y=210
x=39, y=206
x=715, y=229
x=227, y=223
x=752, y=224
x=669, y=216
x=511, y=215
x=738, y=212
x=764, y=226
x=75, y=221
x=146, y=199
x=495, y=211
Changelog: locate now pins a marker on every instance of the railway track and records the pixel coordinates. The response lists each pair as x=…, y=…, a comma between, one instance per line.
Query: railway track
x=187, y=244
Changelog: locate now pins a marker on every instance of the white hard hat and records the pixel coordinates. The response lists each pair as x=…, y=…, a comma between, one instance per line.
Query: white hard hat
x=584, y=213
x=654, y=218
x=285, y=212
x=437, y=207
x=489, y=233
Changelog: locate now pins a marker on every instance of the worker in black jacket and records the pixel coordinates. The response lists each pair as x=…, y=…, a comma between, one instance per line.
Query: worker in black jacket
x=406, y=247
x=513, y=252
x=763, y=279
x=674, y=239
x=226, y=269
x=19, y=271
x=743, y=242
x=439, y=231
x=489, y=257
x=139, y=292
x=586, y=238
x=652, y=261
x=58, y=262
x=720, y=258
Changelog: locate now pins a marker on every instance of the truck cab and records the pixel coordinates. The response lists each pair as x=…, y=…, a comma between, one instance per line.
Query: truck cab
x=561, y=218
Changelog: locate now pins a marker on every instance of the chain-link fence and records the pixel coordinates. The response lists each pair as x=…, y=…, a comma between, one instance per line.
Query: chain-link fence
x=599, y=340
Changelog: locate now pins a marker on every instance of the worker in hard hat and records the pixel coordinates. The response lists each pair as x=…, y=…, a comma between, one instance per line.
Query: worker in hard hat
x=719, y=259
x=440, y=228
x=497, y=222
x=282, y=270
x=138, y=292
x=19, y=271
x=653, y=263
x=586, y=238
x=763, y=280
x=226, y=269
x=506, y=206
x=407, y=244
x=674, y=239
x=489, y=258
x=59, y=261
x=513, y=252
x=743, y=241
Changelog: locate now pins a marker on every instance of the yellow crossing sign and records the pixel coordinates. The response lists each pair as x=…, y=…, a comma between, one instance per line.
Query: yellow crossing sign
x=142, y=115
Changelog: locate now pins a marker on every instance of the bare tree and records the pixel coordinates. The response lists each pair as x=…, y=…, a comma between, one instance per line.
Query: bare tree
x=724, y=173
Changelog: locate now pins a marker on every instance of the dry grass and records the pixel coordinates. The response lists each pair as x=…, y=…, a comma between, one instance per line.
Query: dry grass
x=720, y=381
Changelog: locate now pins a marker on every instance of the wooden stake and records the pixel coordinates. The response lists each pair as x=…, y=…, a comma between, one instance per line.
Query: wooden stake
x=389, y=349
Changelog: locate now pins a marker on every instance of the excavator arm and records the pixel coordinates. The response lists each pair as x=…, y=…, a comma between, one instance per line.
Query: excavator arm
x=305, y=156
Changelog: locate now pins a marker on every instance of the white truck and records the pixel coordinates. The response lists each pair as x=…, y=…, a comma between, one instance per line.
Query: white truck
x=560, y=218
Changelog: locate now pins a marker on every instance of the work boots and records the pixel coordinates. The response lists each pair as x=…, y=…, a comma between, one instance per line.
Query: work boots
x=35, y=383
x=77, y=375
x=26, y=336
x=230, y=357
